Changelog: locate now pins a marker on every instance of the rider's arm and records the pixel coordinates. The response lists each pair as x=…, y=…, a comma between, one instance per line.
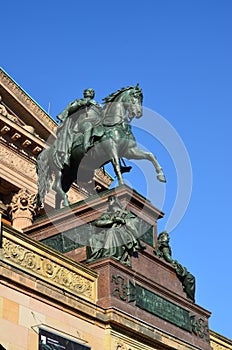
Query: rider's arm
x=71, y=108
x=75, y=105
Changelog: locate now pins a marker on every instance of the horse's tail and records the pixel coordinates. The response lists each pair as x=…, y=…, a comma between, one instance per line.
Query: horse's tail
x=44, y=175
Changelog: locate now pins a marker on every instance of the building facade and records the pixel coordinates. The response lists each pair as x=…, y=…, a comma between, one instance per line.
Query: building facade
x=50, y=296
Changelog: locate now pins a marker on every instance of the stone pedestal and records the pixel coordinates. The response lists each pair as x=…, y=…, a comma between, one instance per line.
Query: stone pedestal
x=149, y=292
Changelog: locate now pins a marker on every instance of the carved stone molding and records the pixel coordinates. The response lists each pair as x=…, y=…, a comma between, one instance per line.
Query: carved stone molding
x=124, y=342
x=5, y=129
x=3, y=208
x=101, y=175
x=22, y=209
x=27, y=101
x=75, y=196
x=217, y=346
x=17, y=162
x=47, y=267
x=4, y=112
x=218, y=342
x=121, y=344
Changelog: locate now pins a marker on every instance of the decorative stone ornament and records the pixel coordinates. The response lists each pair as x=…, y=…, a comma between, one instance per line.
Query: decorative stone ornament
x=22, y=209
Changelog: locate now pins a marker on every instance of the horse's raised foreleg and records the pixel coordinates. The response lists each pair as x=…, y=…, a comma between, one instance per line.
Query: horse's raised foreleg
x=136, y=153
x=116, y=164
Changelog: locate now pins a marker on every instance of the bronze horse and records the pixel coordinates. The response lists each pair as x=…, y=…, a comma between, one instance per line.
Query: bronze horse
x=112, y=139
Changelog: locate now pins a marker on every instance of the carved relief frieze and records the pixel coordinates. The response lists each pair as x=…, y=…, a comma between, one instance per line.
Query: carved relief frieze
x=48, y=269
x=18, y=163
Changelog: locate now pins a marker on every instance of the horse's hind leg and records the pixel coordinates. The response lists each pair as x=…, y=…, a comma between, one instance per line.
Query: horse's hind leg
x=136, y=153
x=60, y=194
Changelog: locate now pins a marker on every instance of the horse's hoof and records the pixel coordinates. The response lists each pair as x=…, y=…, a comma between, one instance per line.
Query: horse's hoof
x=161, y=178
x=65, y=203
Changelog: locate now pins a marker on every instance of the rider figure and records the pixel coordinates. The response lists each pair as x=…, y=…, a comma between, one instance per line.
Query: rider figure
x=78, y=103
x=89, y=116
x=87, y=124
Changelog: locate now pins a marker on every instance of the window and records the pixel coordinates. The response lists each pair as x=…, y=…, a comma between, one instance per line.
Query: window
x=52, y=341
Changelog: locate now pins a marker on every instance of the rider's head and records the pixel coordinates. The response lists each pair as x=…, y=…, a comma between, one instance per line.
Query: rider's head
x=89, y=93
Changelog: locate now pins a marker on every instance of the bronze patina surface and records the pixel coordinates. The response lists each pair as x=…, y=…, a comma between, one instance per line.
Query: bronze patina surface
x=90, y=136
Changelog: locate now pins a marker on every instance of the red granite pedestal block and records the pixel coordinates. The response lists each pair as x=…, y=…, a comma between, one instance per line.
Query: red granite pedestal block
x=119, y=286
x=149, y=291
x=90, y=209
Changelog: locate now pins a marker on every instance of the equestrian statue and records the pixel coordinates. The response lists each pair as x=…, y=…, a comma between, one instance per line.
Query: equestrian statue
x=88, y=137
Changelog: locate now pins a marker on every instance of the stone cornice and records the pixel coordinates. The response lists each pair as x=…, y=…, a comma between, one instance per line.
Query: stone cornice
x=18, y=162
x=20, y=130
x=219, y=342
x=27, y=102
x=103, y=177
x=121, y=323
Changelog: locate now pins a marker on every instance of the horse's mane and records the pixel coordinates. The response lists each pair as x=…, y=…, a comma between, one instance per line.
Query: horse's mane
x=112, y=96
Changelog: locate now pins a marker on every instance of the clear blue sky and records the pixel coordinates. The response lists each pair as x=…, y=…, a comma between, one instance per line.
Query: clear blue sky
x=180, y=51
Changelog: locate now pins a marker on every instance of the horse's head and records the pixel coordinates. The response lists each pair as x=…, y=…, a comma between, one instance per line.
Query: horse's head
x=134, y=101
x=117, y=104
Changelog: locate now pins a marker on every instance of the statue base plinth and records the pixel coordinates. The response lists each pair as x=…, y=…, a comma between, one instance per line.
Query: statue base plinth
x=149, y=292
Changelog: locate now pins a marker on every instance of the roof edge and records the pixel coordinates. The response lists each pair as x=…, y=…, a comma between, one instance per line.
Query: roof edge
x=28, y=102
